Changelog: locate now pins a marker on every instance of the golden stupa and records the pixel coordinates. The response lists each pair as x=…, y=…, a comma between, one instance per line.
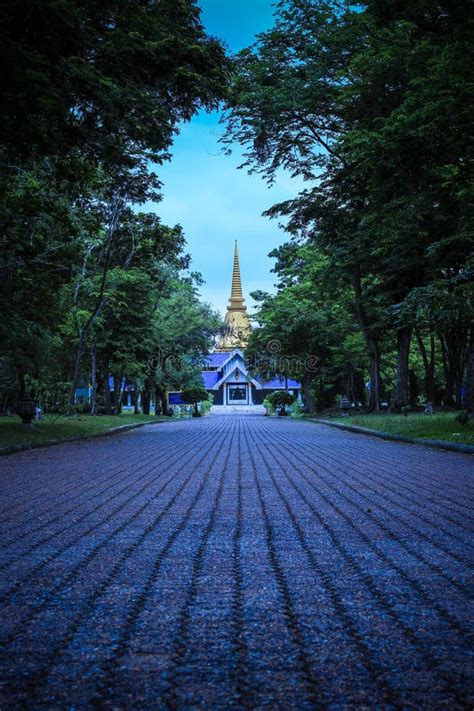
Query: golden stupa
x=237, y=323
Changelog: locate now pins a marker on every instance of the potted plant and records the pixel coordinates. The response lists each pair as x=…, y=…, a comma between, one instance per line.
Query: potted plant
x=280, y=399
x=26, y=409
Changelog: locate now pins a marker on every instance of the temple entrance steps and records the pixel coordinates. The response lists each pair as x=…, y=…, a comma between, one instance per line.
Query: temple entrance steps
x=237, y=410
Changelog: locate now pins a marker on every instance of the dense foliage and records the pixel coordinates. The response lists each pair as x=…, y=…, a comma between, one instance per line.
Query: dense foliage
x=371, y=105
x=93, y=94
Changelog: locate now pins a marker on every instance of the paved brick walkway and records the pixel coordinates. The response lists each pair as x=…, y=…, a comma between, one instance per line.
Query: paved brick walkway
x=236, y=562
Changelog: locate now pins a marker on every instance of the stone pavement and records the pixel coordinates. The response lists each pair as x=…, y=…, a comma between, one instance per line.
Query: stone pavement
x=236, y=562
x=237, y=410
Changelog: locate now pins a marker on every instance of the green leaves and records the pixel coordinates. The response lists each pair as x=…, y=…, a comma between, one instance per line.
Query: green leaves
x=93, y=73
x=372, y=106
x=92, y=93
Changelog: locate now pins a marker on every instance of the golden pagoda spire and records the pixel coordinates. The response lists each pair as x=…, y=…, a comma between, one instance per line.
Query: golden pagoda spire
x=236, y=301
x=237, y=324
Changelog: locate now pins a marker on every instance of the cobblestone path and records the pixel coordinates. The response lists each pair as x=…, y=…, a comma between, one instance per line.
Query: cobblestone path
x=236, y=562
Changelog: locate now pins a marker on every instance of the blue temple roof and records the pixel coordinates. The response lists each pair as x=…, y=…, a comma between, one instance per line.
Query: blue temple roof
x=276, y=383
x=216, y=358
x=220, y=360
x=210, y=377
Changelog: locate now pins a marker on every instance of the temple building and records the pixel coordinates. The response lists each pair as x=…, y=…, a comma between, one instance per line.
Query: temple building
x=225, y=374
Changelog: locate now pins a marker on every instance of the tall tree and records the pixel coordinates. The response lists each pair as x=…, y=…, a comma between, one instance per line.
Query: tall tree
x=184, y=331
x=357, y=102
x=108, y=81
x=305, y=331
x=93, y=95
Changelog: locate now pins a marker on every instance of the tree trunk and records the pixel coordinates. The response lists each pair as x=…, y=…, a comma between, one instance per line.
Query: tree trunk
x=469, y=403
x=161, y=404
x=454, y=351
x=443, y=356
x=145, y=401
x=375, y=385
x=359, y=387
x=107, y=402
x=116, y=391
x=428, y=365
x=119, y=405
x=21, y=379
x=307, y=395
x=431, y=382
x=458, y=384
x=157, y=400
x=93, y=379
x=115, y=212
x=460, y=352
x=370, y=342
x=77, y=369
x=164, y=402
x=448, y=375
x=413, y=390
x=136, y=410
x=403, y=352
x=350, y=384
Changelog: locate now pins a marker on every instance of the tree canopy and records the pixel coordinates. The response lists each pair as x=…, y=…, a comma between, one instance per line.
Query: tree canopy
x=93, y=95
x=371, y=106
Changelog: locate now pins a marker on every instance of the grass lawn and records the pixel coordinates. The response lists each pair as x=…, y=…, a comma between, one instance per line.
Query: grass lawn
x=442, y=426
x=61, y=427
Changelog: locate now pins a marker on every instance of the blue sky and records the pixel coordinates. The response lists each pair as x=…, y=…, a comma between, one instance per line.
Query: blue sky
x=204, y=192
